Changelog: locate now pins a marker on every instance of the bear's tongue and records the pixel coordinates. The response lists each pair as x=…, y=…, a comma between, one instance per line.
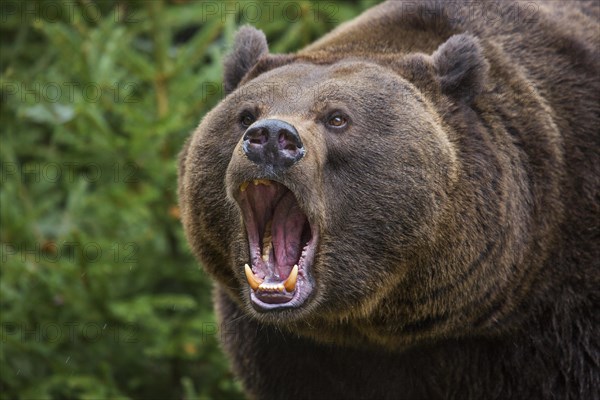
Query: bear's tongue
x=286, y=230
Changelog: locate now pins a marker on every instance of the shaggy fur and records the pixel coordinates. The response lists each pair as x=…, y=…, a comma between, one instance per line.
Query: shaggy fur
x=458, y=213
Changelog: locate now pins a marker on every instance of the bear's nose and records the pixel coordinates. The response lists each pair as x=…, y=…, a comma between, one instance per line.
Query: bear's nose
x=273, y=142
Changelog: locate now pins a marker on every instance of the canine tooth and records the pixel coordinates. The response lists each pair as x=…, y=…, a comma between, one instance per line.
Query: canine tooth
x=244, y=186
x=253, y=280
x=290, y=282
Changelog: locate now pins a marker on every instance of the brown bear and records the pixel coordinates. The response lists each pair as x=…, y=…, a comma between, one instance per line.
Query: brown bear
x=409, y=208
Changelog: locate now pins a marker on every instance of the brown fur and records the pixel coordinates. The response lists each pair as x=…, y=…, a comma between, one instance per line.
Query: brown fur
x=458, y=214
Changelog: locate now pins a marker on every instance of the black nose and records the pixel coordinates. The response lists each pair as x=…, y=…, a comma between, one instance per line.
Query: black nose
x=273, y=142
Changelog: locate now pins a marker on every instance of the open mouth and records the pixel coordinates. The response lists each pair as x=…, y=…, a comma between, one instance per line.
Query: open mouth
x=281, y=242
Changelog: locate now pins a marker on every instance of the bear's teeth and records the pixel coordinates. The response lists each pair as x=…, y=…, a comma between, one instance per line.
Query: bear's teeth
x=261, y=182
x=290, y=282
x=271, y=287
x=256, y=182
x=259, y=284
x=253, y=280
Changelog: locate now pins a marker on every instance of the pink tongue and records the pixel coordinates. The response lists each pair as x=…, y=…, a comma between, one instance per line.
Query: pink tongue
x=286, y=230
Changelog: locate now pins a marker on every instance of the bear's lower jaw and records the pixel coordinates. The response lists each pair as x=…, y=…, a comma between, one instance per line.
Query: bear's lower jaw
x=282, y=245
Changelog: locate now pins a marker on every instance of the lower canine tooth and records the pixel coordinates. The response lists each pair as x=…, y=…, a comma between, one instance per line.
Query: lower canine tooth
x=290, y=282
x=253, y=280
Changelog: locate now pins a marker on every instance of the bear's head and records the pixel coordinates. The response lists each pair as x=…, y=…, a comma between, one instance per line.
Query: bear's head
x=320, y=185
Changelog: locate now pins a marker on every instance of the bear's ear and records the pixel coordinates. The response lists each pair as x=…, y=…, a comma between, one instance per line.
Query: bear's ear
x=461, y=67
x=250, y=44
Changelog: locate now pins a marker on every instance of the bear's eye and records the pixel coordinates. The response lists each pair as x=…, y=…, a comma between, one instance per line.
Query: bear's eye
x=337, y=120
x=247, y=119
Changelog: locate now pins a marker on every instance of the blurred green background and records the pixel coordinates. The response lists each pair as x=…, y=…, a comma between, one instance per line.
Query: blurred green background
x=100, y=296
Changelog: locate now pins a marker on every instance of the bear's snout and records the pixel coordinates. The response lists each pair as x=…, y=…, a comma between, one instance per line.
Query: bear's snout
x=274, y=143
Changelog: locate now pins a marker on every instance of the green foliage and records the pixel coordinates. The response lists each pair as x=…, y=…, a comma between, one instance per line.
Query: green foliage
x=100, y=296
